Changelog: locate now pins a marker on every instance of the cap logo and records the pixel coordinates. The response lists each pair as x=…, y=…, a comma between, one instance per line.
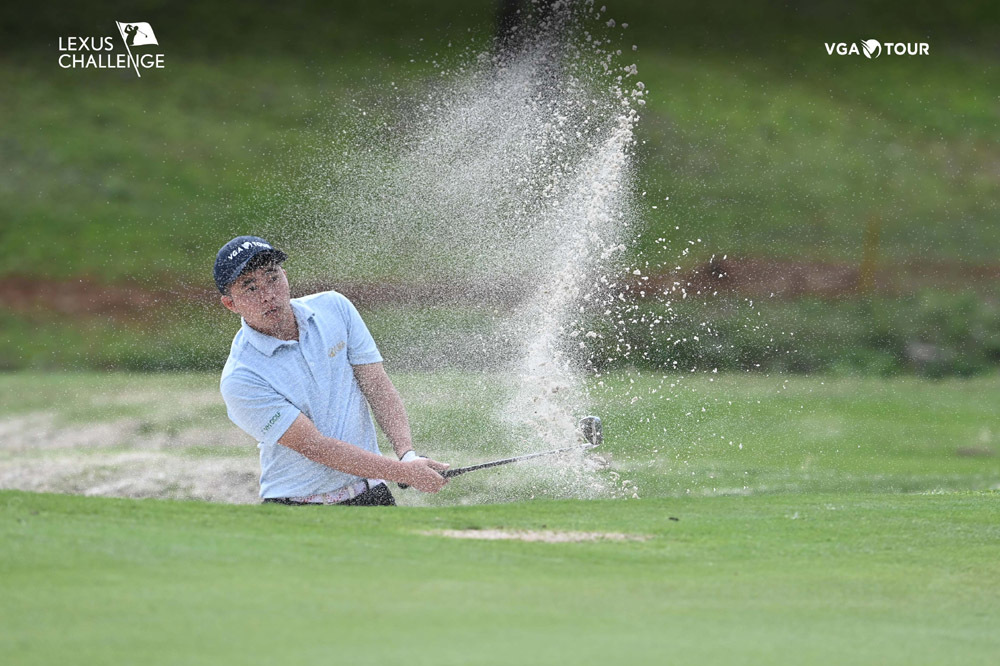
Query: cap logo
x=246, y=246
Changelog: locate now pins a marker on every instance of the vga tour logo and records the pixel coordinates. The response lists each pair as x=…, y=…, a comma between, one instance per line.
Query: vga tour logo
x=99, y=52
x=872, y=48
x=246, y=246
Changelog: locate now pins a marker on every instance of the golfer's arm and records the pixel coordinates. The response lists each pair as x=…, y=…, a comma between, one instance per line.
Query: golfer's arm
x=386, y=405
x=302, y=436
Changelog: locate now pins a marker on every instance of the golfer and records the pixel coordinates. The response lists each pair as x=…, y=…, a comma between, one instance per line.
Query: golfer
x=300, y=379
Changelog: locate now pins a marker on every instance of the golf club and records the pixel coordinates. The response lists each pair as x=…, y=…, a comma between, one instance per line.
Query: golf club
x=590, y=428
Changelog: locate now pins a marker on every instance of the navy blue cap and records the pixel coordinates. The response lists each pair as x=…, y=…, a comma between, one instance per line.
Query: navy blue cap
x=236, y=255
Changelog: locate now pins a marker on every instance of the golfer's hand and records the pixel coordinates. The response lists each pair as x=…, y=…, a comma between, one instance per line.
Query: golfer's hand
x=422, y=474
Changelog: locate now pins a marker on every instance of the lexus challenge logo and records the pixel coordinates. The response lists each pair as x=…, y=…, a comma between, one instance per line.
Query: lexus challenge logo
x=872, y=48
x=99, y=52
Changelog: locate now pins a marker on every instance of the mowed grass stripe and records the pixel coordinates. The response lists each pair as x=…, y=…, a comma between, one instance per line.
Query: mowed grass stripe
x=771, y=579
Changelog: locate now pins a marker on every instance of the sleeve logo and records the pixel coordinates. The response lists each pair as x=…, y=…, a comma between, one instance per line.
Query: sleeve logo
x=274, y=419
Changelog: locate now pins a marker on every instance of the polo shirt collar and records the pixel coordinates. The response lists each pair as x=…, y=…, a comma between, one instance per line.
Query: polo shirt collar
x=266, y=344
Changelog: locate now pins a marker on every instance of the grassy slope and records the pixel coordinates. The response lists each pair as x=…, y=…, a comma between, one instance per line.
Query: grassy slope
x=124, y=182
x=795, y=157
x=766, y=146
x=781, y=579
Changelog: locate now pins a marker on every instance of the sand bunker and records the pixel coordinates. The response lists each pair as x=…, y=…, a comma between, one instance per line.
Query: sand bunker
x=545, y=536
x=123, y=458
x=137, y=474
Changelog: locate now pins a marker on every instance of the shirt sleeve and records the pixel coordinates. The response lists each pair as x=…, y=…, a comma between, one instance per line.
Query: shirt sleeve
x=361, y=348
x=256, y=408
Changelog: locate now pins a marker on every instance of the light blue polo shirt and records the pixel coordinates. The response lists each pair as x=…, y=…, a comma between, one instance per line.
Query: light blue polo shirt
x=268, y=382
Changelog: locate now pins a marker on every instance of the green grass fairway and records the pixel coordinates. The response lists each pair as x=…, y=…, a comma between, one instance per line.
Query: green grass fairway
x=792, y=579
x=850, y=521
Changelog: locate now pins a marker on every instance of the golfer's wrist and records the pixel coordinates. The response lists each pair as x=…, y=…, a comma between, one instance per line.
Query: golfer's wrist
x=409, y=456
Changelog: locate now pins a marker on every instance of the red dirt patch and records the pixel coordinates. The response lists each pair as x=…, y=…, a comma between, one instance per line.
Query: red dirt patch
x=762, y=278
x=83, y=296
x=754, y=278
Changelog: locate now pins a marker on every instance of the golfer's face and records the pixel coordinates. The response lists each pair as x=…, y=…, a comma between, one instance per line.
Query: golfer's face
x=262, y=296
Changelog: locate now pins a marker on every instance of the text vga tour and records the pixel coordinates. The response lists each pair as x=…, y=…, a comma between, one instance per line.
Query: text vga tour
x=84, y=52
x=890, y=48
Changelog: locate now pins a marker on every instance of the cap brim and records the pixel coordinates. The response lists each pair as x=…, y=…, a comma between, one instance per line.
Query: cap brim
x=262, y=258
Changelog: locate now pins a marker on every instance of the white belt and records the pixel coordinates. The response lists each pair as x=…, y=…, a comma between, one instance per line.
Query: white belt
x=338, y=496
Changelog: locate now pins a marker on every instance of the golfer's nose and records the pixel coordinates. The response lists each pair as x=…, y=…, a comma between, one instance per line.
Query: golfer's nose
x=266, y=294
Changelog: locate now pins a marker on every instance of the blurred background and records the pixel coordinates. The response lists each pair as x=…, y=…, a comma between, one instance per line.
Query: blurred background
x=854, y=200
x=836, y=215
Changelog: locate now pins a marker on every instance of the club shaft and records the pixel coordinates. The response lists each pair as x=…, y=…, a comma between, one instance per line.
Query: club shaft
x=590, y=427
x=506, y=461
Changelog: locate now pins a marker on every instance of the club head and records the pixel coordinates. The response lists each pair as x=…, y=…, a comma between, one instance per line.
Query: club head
x=590, y=426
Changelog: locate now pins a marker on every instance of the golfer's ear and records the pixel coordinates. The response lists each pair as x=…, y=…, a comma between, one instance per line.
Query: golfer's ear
x=227, y=301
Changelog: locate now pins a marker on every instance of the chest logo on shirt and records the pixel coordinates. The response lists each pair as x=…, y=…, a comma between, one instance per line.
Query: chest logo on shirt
x=336, y=348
